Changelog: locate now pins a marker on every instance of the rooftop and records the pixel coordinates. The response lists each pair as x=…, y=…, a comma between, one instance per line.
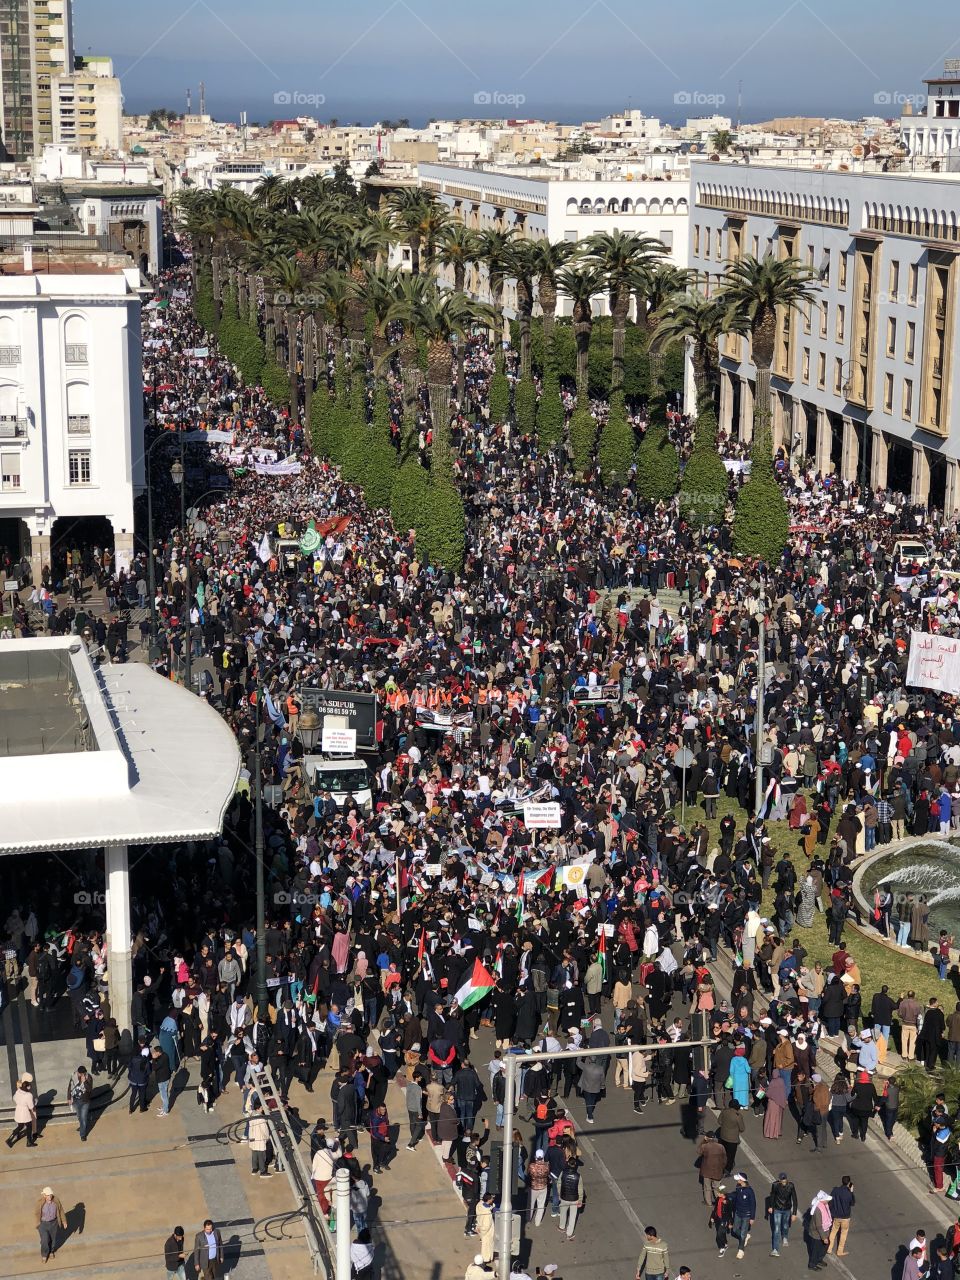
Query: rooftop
x=152, y=764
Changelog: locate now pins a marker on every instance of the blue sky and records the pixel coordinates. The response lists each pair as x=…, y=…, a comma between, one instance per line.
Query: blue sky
x=563, y=59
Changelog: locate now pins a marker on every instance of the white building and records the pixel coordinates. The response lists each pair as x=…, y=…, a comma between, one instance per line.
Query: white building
x=862, y=381
x=87, y=105
x=128, y=214
x=71, y=401
x=936, y=132
x=556, y=208
x=632, y=125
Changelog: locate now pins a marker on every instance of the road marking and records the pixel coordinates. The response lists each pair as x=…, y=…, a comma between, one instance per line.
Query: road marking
x=612, y=1183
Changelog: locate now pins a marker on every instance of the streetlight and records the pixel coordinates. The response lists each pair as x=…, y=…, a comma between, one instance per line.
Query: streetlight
x=308, y=736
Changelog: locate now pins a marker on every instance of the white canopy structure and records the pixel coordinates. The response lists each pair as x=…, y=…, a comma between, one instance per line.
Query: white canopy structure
x=107, y=757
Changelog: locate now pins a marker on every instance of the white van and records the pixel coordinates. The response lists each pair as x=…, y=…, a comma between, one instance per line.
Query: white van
x=911, y=551
x=341, y=778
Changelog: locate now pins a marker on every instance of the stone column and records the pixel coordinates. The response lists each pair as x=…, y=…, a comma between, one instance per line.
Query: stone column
x=850, y=455
x=777, y=416
x=39, y=554
x=119, y=964
x=123, y=549
x=798, y=430
x=878, y=464
x=746, y=410
x=726, y=404
x=920, y=488
x=951, y=492
x=822, y=459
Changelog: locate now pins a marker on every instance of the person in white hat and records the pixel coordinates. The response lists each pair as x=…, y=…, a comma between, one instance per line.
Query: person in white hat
x=478, y=1269
x=50, y=1221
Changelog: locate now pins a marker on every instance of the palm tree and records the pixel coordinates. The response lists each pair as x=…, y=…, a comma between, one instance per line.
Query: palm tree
x=721, y=141
x=699, y=323
x=440, y=318
x=285, y=279
x=653, y=288
x=495, y=249
x=277, y=193
x=381, y=291
x=756, y=294
x=549, y=259
x=626, y=260
x=419, y=215
x=523, y=265
x=581, y=282
x=457, y=247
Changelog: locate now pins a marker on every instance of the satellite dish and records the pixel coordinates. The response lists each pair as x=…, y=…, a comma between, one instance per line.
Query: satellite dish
x=856, y=150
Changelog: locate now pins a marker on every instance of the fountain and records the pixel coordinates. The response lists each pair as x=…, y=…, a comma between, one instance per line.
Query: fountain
x=925, y=867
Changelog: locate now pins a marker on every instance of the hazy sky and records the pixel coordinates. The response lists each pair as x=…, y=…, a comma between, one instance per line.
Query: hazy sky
x=368, y=59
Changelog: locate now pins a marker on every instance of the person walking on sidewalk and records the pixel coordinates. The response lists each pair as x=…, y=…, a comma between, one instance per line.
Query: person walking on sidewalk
x=160, y=1068
x=173, y=1255
x=538, y=1181
x=258, y=1137
x=51, y=1220
x=654, y=1260
x=818, y=1231
x=24, y=1112
x=208, y=1252
x=842, y=1201
x=413, y=1096
x=782, y=1211
x=744, y=1211
x=571, y=1197
x=908, y=1011
x=80, y=1092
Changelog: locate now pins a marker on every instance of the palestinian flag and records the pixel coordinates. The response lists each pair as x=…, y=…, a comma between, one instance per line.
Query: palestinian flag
x=602, y=951
x=531, y=881
x=475, y=988
x=520, y=912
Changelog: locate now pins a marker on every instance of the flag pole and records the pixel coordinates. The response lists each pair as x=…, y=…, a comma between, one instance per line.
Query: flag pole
x=399, y=908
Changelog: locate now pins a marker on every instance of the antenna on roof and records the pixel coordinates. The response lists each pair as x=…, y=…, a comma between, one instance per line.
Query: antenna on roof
x=203, y=98
x=739, y=92
x=188, y=102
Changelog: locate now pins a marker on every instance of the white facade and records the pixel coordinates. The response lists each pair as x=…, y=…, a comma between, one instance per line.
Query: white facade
x=936, y=132
x=862, y=380
x=87, y=106
x=71, y=400
x=560, y=209
x=129, y=214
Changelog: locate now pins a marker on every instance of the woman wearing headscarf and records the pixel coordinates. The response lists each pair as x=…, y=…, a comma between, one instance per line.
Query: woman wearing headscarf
x=819, y=1221
x=776, y=1105
x=740, y=1075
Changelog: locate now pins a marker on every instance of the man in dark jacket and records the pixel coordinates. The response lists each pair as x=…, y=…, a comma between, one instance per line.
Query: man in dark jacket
x=744, y=1211
x=173, y=1255
x=842, y=1201
x=208, y=1252
x=468, y=1092
x=782, y=1211
x=138, y=1073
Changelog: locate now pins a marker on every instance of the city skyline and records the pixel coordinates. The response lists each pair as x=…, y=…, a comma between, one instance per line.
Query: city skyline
x=417, y=59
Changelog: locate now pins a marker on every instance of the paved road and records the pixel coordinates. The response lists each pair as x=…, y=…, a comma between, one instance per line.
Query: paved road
x=640, y=1169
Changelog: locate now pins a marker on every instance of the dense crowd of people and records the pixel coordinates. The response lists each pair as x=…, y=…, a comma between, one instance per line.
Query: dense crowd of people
x=556, y=680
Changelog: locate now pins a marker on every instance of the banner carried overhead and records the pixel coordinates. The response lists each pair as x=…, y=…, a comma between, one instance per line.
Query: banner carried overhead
x=934, y=662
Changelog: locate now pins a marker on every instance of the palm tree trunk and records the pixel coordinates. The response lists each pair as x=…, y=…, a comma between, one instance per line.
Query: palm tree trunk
x=217, y=289
x=270, y=329
x=290, y=322
x=414, y=243
x=440, y=417
x=526, y=321
x=309, y=370
x=762, y=445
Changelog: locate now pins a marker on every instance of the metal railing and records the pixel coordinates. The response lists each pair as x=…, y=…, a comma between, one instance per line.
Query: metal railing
x=12, y=428
x=75, y=353
x=78, y=424
x=9, y=357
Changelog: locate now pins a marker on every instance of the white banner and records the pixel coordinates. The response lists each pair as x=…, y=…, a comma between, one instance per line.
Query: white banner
x=934, y=662
x=285, y=468
x=541, y=816
x=337, y=741
x=574, y=874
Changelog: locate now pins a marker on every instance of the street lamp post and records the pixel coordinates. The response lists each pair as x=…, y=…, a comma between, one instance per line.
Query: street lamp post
x=308, y=730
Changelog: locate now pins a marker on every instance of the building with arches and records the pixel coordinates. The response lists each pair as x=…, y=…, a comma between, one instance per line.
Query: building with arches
x=862, y=378
x=554, y=207
x=71, y=402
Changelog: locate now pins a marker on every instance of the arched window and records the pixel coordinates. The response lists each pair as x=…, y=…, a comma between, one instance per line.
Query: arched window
x=78, y=409
x=75, y=339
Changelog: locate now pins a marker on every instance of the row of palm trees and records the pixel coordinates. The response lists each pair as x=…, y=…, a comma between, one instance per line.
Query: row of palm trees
x=304, y=257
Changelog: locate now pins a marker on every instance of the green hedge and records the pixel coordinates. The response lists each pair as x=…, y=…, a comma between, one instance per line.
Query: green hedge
x=658, y=467
x=550, y=415
x=275, y=382
x=525, y=406
x=615, y=450
x=409, y=497
x=703, y=491
x=499, y=398
x=583, y=436
x=441, y=534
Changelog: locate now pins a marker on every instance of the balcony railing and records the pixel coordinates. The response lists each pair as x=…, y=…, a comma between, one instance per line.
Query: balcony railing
x=12, y=428
x=937, y=368
x=78, y=424
x=9, y=357
x=76, y=353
